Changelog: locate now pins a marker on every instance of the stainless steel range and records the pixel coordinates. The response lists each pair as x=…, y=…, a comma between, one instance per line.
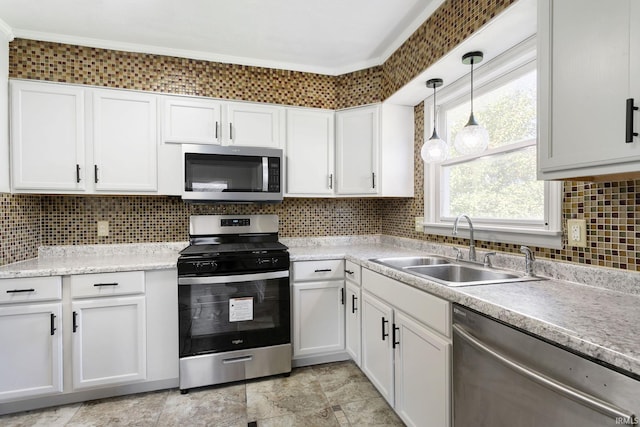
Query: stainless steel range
x=234, y=300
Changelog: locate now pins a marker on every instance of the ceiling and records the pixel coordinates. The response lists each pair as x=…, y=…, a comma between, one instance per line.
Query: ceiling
x=328, y=37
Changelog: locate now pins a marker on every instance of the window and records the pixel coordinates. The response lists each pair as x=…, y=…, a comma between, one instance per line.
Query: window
x=496, y=188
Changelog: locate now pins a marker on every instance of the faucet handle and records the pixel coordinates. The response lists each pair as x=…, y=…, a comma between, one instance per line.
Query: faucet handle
x=458, y=253
x=487, y=260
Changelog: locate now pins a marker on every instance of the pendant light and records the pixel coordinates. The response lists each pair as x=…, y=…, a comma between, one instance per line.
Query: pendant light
x=472, y=138
x=434, y=150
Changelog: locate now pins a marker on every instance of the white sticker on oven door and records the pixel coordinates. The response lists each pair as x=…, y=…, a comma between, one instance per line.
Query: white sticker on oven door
x=240, y=309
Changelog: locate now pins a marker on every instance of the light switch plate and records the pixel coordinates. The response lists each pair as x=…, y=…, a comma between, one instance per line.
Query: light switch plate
x=103, y=228
x=577, y=232
x=419, y=221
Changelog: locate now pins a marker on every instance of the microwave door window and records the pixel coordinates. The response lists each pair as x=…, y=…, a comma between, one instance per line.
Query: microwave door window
x=220, y=173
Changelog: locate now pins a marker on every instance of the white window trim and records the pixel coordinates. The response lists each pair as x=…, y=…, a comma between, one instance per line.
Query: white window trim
x=547, y=234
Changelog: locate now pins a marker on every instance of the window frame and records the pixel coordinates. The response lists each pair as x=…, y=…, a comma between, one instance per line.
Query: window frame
x=508, y=66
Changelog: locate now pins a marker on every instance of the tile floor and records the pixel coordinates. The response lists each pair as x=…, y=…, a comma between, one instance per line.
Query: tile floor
x=335, y=394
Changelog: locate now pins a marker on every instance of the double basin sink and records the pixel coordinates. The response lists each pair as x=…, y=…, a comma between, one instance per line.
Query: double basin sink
x=451, y=273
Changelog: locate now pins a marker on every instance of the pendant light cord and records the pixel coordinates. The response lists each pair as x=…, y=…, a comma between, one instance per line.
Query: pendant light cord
x=472, y=61
x=434, y=107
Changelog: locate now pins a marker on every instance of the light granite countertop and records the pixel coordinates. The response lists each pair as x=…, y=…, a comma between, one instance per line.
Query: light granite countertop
x=598, y=319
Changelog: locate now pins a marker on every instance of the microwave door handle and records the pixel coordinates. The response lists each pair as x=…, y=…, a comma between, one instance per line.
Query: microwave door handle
x=265, y=174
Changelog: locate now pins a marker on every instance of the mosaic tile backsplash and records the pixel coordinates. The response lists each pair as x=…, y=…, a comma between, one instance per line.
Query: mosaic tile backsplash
x=29, y=221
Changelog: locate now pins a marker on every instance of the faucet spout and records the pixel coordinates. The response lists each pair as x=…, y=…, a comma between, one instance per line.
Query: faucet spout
x=472, y=242
x=529, y=258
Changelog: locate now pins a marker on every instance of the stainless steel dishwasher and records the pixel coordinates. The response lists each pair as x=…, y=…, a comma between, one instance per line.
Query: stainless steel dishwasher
x=505, y=377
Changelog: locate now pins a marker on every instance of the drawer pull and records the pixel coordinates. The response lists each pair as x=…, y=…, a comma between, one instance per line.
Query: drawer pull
x=75, y=321
x=323, y=270
x=349, y=272
x=353, y=303
x=17, y=291
x=105, y=284
x=53, y=328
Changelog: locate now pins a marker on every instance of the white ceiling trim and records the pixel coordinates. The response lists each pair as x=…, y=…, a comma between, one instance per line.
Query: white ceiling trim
x=6, y=30
x=181, y=53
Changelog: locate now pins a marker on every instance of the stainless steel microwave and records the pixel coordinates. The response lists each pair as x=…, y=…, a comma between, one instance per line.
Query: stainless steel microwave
x=226, y=174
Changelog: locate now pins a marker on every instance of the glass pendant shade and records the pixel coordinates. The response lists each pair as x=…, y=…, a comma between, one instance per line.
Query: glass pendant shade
x=434, y=149
x=472, y=138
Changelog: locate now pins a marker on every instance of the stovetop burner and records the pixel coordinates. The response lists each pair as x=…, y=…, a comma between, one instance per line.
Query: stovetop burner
x=230, y=248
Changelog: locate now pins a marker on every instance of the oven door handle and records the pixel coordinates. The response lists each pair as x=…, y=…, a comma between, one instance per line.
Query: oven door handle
x=237, y=359
x=587, y=400
x=236, y=278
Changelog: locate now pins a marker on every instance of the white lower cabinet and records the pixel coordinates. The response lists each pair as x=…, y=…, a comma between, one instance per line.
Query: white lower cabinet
x=109, y=341
x=377, y=353
x=318, y=303
x=406, y=347
x=30, y=337
x=353, y=322
x=31, y=340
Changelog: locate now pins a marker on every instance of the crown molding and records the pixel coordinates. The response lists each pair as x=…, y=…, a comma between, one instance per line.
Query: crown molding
x=6, y=30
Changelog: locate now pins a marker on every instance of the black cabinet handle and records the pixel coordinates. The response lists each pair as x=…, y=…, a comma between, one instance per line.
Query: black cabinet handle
x=17, y=291
x=323, y=270
x=230, y=130
x=630, y=109
x=105, y=284
x=77, y=173
x=384, y=335
x=216, y=130
x=373, y=179
x=348, y=272
x=75, y=321
x=342, y=296
x=53, y=328
x=330, y=181
x=95, y=174
x=394, y=343
x=353, y=303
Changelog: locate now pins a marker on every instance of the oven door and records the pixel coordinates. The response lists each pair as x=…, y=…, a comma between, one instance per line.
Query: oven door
x=233, y=312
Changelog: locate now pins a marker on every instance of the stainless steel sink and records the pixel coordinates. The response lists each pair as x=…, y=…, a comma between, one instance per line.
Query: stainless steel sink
x=412, y=261
x=450, y=272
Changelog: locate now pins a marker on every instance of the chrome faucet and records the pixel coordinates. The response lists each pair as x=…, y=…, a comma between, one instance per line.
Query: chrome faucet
x=472, y=243
x=529, y=258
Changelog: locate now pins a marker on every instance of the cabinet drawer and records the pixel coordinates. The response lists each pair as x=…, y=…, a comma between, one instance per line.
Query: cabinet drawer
x=331, y=269
x=432, y=311
x=29, y=289
x=352, y=272
x=107, y=284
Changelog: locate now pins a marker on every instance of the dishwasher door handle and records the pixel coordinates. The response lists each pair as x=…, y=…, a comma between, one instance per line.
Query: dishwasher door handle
x=592, y=402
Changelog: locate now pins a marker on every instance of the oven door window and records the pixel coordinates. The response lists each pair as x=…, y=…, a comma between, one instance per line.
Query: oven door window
x=225, y=173
x=233, y=316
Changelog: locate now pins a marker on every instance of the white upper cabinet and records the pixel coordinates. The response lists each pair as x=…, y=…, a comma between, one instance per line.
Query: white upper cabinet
x=587, y=73
x=73, y=139
x=357, y=144
x=374, y=151
x=124, y=141
x=191, y=121
x=47, y=136
x=253, y=125
x=310, y=152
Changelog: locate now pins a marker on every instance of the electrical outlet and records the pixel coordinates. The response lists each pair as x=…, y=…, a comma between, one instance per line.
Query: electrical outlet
x=419, y=221
x=577, y=232
x=103, y=228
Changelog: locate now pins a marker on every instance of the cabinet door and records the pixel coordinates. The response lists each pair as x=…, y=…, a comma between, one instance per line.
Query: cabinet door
x=357, y=139
x=191, y=121
x=253, y=125
x=31, y=337
x=377, y=352
x=353, y=326
x=310, y=152
x=47, y=137
x=109, y=341
x=585, y=79
x=318, y=318
x=422, y=374
x=124, y=145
